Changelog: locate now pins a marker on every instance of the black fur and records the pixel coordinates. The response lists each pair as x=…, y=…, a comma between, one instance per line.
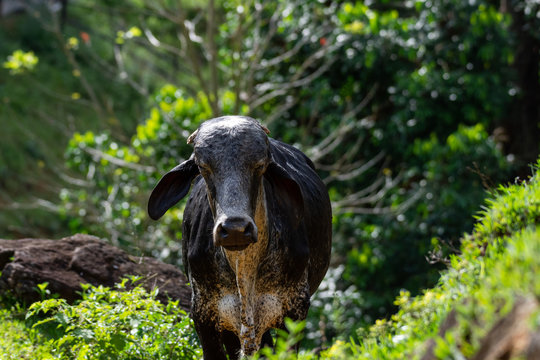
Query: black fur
x=299, y=238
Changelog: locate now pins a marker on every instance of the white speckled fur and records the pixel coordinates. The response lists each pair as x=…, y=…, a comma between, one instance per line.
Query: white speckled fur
x=257, y=311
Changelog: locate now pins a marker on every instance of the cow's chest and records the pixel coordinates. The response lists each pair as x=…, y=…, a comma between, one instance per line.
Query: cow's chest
x=257, y=305
x=249, y=292
x=251, y=298
x=253, y=301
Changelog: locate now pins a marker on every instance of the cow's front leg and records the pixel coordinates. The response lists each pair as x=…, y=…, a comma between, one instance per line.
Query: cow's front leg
x=232, y=344
x=211, y=341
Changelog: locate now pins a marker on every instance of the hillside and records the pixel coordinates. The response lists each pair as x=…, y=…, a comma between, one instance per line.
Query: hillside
x=485, y=304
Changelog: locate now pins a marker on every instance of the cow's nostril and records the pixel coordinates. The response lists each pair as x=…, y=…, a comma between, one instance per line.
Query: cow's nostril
x=248, y=230
x=223, y=232
x=234, y=225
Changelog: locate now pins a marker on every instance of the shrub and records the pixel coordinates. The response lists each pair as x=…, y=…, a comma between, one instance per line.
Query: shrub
x=116, y=324
x=391, y=252
x=498, y=265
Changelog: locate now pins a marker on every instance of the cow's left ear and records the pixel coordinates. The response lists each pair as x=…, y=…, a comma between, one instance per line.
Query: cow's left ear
x=172, y=187
x=287, y=189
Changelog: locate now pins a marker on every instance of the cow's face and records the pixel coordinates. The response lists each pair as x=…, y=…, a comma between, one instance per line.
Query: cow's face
x=233, y=155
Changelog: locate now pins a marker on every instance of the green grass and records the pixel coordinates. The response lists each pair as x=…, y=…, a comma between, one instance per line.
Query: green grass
x=19, y=341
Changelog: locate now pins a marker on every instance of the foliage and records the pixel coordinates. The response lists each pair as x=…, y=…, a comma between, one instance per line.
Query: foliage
x=435, y=172
x=400, y=104
x=113, y=203
x=285, y=341
x=334, y=311
x=20, y=342
x=498, y=267
x=115, y=324
x=433, y=99
x=41, y=109
x=483, y=287
x=21, y=61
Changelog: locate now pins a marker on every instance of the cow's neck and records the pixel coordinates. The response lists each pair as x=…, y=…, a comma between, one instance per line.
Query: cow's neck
x=245, y=264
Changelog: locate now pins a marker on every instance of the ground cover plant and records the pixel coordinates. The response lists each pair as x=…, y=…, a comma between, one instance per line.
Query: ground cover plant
x=18, y=341
x=125, y=322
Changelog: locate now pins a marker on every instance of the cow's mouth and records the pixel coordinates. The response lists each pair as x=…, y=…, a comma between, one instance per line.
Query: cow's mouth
x=235, y=243
x=235, y=247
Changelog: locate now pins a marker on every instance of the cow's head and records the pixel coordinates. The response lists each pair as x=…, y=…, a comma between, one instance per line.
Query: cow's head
x=233, y=156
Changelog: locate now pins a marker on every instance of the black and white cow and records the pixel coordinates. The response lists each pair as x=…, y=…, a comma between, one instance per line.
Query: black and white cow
x=256, y=233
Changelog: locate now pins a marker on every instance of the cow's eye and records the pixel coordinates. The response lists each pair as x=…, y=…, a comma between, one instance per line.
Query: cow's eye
x=203, y=167
x=260, y=166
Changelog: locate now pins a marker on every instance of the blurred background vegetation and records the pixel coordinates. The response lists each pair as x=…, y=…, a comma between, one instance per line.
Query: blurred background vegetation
x=412, y=112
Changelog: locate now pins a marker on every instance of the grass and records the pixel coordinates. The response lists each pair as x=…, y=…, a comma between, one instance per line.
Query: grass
x=19, y=341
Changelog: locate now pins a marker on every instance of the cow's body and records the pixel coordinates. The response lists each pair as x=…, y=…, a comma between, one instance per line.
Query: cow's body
x=244, y=283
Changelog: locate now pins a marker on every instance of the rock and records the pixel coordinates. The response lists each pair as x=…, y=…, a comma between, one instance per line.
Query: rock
x=68, y=262
x=510, y=337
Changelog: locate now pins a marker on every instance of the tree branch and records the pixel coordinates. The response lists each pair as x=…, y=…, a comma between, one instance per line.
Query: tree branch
x=118, y=162
x=213, y=63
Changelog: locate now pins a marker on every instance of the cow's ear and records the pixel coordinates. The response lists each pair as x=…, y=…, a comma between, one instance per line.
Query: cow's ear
x=172, y=187
x=286, y=189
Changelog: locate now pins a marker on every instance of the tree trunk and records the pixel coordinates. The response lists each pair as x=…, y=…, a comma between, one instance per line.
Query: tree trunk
x=522, y=124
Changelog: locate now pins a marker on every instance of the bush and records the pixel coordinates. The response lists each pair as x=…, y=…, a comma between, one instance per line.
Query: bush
x=116, y=324
x=407, y=248
x=498, y=266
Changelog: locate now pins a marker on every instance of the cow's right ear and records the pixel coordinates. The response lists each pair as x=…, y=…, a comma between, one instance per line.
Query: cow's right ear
x=172, y=187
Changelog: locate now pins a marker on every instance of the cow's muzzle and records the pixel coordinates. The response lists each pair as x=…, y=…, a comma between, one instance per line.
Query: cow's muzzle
x=235, y=233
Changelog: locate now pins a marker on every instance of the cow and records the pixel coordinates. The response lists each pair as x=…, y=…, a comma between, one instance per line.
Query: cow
x=256, y=238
